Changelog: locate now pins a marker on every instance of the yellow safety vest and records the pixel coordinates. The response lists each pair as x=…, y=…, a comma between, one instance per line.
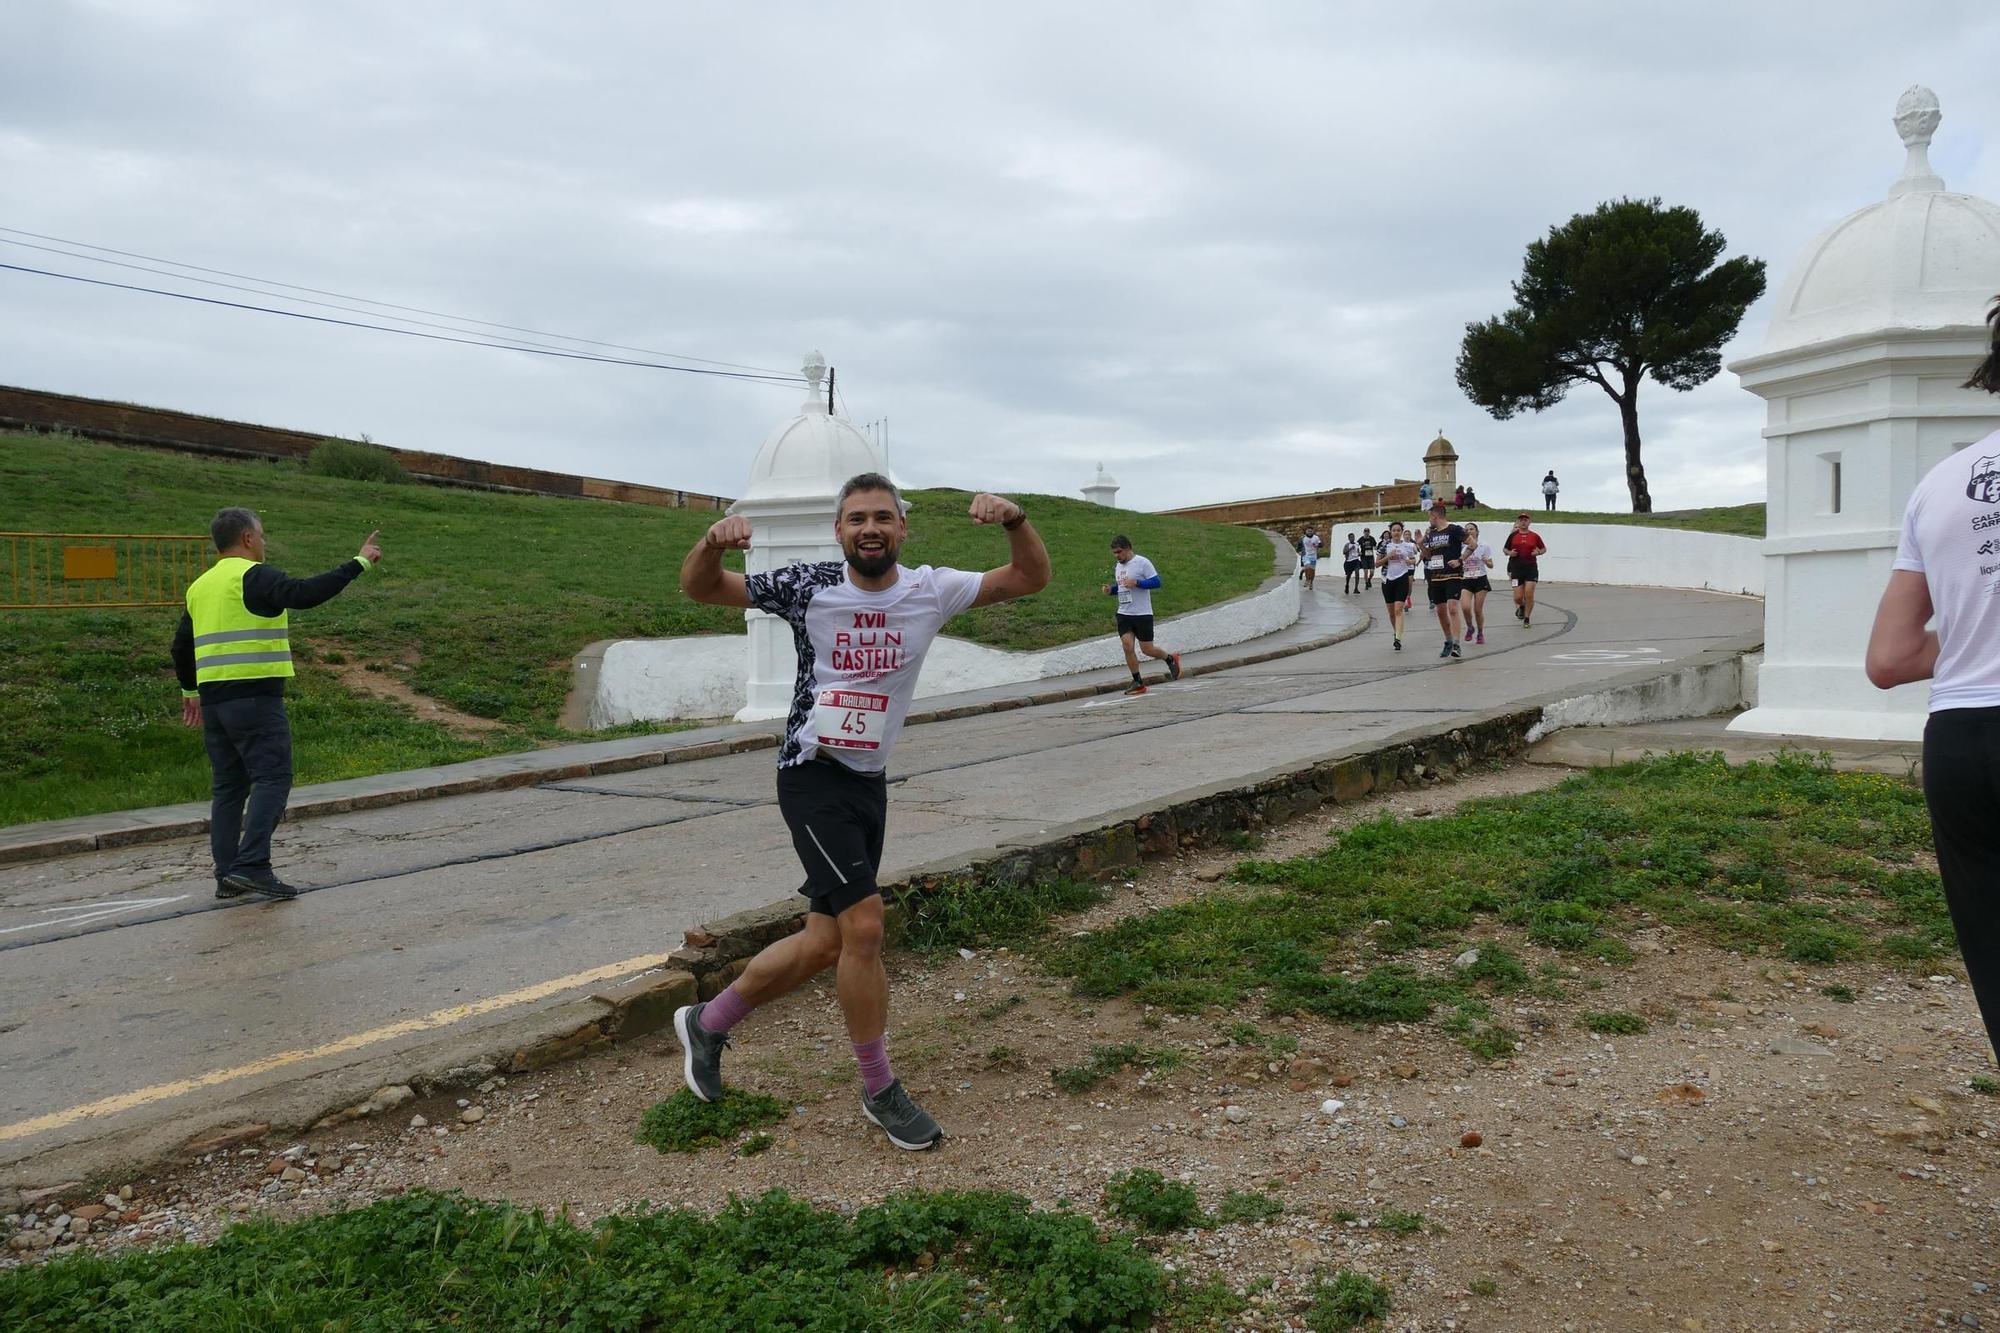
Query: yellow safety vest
x=229, y=642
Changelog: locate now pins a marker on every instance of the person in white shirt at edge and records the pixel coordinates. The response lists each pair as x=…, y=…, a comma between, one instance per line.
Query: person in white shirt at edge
x=1133, y=579
x=1472, y=594
x=1397, y=556
x=1309, y=555
x=1350, y=563
x=1948, y=567
x=861, y=627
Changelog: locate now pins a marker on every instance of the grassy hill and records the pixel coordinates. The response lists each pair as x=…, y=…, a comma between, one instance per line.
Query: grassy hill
x=479, y=605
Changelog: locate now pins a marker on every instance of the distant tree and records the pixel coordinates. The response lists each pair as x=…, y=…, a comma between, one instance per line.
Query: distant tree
x=1611, y=297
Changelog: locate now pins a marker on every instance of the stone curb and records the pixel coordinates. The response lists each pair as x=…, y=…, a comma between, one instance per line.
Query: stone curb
x=41, y=841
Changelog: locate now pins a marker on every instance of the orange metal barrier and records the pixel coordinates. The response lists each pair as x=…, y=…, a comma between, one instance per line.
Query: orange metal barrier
x=42, y=571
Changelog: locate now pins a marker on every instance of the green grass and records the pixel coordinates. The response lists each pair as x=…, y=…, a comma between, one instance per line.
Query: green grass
x=1345, y=1301
x=1106, y=1061
x=481, y=603
x=685, y=1123
x=1614, y=1022
x=1151, y=1202
x=1785, y=859
x=916, y=1263
x=1733, y=520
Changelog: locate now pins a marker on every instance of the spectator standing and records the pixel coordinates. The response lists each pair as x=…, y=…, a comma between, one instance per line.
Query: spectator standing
x=233, y=654
x=1458, y=498
x=1549, y=488
x=1424, y=494
x=1939, y=572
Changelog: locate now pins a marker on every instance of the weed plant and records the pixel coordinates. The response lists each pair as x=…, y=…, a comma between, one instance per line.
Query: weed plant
x=686, y=1123
x=443, y=1261
x=1106, y=1061
x=1151, y=1202
x=1786, y=858
x=1347, y=1300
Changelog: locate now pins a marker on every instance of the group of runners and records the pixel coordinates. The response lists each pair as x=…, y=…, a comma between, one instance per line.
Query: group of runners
x=1457, y=564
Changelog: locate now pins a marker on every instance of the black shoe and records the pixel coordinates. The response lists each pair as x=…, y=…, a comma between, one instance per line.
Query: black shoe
x=908, y=1125
x=1399, y=645
x=1518, y=614
x=701, y=1053
x=1453, y=648
x=224, y=889
x=1445, y=651
x=267, y=884
x=1173, y=666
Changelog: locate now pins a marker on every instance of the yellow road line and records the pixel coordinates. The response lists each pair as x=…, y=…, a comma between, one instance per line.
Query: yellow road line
x=458, y=1013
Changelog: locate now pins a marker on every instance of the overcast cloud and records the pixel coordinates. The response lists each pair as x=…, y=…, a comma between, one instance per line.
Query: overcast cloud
x=1228, y=250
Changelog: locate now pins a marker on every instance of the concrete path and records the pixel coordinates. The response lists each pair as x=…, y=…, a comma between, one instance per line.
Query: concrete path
x=136, y=1010
x=1600, y=747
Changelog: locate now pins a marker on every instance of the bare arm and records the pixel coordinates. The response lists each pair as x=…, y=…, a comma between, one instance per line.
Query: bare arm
x=702, y=575
x=1900, y=649
x=1027, y=567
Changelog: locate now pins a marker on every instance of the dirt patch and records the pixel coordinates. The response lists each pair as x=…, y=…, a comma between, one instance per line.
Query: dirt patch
x=389, y=681
x=1765, y=1156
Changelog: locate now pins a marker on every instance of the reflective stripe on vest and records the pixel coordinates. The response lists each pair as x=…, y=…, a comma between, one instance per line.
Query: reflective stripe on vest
x=229, y=642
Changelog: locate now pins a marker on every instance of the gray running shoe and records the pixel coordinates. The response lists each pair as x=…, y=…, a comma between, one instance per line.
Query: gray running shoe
x=907, y=1124
x=701, y=1053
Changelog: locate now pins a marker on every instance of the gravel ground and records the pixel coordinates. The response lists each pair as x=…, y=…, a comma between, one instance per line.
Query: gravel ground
x=1764, y=1157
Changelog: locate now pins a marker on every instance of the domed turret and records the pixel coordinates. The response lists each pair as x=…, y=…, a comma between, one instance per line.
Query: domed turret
x=814, y=453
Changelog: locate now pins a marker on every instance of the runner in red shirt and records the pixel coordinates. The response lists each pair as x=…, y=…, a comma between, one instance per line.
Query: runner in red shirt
x=1524, y=549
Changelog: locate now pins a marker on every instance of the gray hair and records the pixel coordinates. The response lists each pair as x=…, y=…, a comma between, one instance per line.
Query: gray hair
x=230, y=525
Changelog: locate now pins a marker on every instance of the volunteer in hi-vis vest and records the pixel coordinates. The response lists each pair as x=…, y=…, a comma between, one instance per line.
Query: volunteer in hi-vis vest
x=233, y=653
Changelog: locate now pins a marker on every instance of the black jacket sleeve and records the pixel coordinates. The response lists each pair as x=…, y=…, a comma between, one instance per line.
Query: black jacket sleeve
x=268, y=590
x=184, y=651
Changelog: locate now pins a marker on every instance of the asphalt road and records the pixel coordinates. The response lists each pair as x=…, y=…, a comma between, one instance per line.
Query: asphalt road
x=131, y=1000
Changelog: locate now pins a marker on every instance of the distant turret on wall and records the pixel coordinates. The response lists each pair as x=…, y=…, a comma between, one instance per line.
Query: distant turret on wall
x=1102, y=490
x=1441, y=465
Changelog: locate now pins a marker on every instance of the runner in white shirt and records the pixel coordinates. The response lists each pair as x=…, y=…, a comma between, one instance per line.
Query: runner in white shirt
x=1396, y=557
x=1948, y=567
x=1472, y=592
x=1350, y=561
x=1133, y=579
x=861, y=627
x=1309, y=556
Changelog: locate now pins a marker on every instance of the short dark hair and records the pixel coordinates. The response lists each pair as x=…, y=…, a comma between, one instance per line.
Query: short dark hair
x=1121, y=543
x=1987, y=377
x=229, y=526
x=868, y=481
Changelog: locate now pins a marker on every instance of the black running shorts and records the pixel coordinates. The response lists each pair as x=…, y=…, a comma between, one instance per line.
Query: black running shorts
x=1443, y=590
x=1480, y=584
x=1523, y=571
x=1139, y=627
x=837, y=817
x=1396, y=589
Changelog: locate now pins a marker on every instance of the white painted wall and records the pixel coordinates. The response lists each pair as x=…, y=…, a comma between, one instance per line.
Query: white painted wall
x=659, y=680
x=1639, y=557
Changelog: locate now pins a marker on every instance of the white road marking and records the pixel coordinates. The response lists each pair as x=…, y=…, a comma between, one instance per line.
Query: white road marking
x=1604, y=654
x=87, y=912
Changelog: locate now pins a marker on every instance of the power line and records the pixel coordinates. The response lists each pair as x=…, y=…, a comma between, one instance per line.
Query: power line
x=386, y=305
x=408, y=333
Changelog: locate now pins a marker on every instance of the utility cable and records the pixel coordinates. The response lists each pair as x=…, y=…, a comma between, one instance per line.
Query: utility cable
x=408, y=333
x=386, y=305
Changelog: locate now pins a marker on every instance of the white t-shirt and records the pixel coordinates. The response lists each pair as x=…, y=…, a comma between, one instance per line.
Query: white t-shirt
x=1478, y=560
x=1951, y=535
x=1134, y=601
x=1309, y=547
x=1402, y=558
x=1351, y=551
x=1548, y=485
x=859, y=652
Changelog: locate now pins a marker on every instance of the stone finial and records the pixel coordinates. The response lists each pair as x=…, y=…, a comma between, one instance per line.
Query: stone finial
x=1917, y=117
x=815, y=371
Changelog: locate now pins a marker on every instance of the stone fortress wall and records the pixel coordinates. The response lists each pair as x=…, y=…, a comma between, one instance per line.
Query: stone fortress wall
x=128, y=423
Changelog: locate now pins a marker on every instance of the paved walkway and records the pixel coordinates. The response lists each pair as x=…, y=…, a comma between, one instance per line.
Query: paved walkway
x=137, y=1010
x=1600, y=747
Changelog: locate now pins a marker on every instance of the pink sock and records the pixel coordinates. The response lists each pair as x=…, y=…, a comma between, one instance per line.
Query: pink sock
x=874, y=1058
x=723, y=1012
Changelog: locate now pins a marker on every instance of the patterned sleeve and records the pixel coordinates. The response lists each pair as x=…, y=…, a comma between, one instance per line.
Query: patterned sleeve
x=785, y=591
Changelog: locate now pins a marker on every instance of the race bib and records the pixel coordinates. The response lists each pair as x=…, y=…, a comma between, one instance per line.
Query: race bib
x=850, y=719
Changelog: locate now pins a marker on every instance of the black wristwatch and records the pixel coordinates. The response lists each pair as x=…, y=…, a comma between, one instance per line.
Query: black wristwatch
x=1017, y=520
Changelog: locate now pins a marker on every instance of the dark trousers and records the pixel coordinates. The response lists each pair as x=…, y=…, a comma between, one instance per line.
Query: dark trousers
x=250, y=761
x=1549, y=503
x=1962, y=788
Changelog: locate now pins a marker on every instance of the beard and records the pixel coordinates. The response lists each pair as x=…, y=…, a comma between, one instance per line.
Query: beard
x=872, y=566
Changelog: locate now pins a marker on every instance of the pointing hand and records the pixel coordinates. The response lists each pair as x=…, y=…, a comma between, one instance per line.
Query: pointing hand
x=371, y=549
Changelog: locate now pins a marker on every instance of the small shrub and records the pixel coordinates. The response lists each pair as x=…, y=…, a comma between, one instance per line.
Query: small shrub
x=1985, y=1085
x=1495, y=1041
x=1399, y=1223
x=1484, y=1286
x=1151, y=1202
x=685, y=1123
x=1192, y=1305
x=755, y=1144
x=1247, y=1206
x=1108, y=1060
x=1615, y=1022
x=354, y=460
x=1838, y=993
x=1346, y=1300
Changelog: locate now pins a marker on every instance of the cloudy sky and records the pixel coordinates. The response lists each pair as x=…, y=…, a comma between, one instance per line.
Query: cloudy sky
x=1226, y=249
